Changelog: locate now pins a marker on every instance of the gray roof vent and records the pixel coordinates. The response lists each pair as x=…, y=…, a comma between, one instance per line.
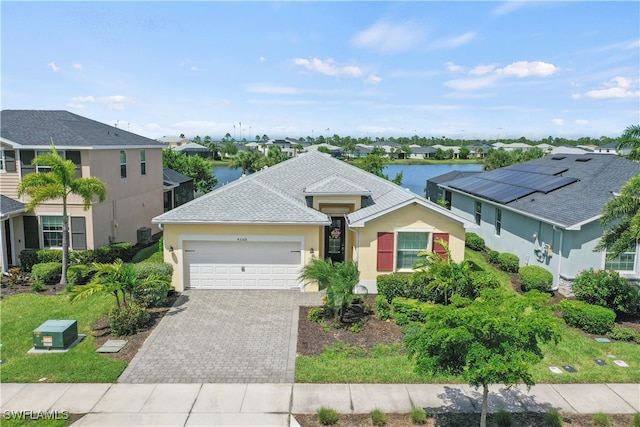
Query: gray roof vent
x=558, y=157
x=583, y=159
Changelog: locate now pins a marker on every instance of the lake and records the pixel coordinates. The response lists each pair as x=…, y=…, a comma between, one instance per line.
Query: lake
x=414, y=177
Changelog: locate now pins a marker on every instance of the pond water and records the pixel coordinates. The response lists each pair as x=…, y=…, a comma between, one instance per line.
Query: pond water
x=414, y=177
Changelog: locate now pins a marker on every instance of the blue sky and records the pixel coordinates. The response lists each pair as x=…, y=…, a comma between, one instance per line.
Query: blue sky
x=457, y=69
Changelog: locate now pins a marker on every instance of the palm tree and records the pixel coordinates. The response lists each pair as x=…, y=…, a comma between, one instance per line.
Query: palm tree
x=58, y=184
x=622, y=215
x=631, y=139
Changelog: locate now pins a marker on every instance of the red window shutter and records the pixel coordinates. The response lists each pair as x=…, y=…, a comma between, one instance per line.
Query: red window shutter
x=437, y=247
x=385, y=251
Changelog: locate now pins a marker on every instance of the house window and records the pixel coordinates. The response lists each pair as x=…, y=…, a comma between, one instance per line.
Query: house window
x=1, y=160
x=626, y=261
x=123, y=164
x=478, y=212
x=44, y=167
x=143, y=162
x=52, y=231
x=408, y=246
x=498, y=221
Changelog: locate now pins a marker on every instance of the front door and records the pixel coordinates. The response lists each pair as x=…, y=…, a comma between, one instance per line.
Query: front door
x=334, y=240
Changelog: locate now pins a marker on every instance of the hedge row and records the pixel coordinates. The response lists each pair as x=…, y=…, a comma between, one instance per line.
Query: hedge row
x=590, y=318
x=105, y=255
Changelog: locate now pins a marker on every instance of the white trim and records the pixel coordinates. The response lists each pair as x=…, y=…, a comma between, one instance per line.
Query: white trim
x=397, y=230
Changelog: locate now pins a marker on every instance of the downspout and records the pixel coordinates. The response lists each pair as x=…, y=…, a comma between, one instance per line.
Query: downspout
x=560, y=252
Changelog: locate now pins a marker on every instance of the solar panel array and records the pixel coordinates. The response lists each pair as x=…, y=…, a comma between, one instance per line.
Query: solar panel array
x=508, y=184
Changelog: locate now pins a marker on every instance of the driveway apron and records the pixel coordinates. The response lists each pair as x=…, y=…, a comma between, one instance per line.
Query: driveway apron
x=223, y=336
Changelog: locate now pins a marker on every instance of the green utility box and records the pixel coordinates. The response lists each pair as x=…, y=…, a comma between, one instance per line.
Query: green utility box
x=55, y=334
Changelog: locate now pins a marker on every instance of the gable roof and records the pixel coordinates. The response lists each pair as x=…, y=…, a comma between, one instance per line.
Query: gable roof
x=9, y=206
x=450, y=176
x=277, y=195
x=35, y=129
x=590, y=181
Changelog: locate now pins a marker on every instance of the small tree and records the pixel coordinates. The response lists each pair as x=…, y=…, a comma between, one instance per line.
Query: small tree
x=493, y=339
x=58, y=184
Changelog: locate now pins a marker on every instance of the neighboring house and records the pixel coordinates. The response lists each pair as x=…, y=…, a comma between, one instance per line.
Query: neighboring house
x=612, y=148
x=546, y=211
x=512, y=146
x=419, y=152
x=178, y=189
x=260, y=230
x=193, y=149
x=130, y=165
x=562, y=149
x=172, y=141
x=434, y=191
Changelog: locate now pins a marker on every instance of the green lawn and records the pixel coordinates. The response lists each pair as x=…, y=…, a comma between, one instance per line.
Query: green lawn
x=22, y=313
x=575, y=349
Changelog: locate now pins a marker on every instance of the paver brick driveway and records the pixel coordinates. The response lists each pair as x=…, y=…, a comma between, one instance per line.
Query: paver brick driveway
x=223, y=336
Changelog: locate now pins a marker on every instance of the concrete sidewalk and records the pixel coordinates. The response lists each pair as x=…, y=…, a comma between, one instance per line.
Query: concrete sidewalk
x=271, y=404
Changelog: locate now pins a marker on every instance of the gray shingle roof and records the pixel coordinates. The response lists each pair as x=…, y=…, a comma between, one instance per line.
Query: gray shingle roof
x=336, y=185
x=277, y=195
x=9, y=206
x=169, y=175
x=36, y=128
x=583, y=200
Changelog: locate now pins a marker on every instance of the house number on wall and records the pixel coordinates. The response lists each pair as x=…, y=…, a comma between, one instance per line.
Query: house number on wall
x=242, y=239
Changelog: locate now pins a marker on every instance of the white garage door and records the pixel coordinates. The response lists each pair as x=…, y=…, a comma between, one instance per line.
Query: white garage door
x=242, y=264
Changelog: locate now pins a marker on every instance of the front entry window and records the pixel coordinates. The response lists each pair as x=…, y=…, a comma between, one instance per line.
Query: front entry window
x=334, y=240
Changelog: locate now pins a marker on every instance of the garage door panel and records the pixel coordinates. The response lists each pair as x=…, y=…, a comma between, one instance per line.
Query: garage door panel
x=242, y=265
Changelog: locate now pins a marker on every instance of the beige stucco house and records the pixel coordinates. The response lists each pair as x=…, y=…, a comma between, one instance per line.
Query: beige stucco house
x=130, y=165
x=259, y=231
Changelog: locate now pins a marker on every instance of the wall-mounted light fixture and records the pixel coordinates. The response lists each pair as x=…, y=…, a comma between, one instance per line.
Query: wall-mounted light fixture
x=170, y=248
x=311, y=251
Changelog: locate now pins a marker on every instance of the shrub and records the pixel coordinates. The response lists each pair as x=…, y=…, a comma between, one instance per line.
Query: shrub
x=152, y=294
x=601, y=420
x=393, y=285
x=78, y=274
x=553, y=418
x=378, y=417
x=37, y=286
x=28, y=258
x=484, y=280
x=128, y=319
x=474, y=242
x=82, y=256
x=492, y=256
x=383, y=307
x=508, y=262
x=607, y=289
x=49, y=255
x=418, y=415
x=49, y=272
x=620, y=333
x=315, y=314
x=534, y=277
x=503, y=418
x=16, y=277
x=109, y=254
x=147, y=269
x=327, y=416
x=590, y=318
x=407, y=310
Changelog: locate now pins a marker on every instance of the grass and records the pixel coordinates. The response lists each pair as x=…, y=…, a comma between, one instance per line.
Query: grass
x=17, y=422
x=480, y=261
x=22, y=313
x=340, y=364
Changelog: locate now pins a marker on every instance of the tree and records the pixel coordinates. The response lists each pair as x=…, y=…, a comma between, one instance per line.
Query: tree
x=374, y=162
x=229, y=149
x=192, y=166
x=622, y=217
x=494, y=339
x=631, y=139
x=464, y=153
x=118, y=279
x=496, y=159
x=58, y=184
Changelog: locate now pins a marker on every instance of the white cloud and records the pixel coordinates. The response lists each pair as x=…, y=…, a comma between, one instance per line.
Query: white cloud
x=53, y=66
x=618, y=87
x=472, y=83
x=454, y=68
x=328, y=67
x=262, y=59
x=274, y=90
x=373, y=79
x=529, y=69
x=195, y=69
x=481, y=70
x=83, y=99
x=389, y=38
x=558, y=122
x=453, y=42
x=508, y=7
x=78, y=66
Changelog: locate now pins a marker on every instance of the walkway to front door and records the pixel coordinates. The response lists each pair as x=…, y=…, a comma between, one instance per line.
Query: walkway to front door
x=223, y=336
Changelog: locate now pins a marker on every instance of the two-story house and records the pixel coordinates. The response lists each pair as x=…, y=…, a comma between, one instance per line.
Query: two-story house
x=130, y=165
